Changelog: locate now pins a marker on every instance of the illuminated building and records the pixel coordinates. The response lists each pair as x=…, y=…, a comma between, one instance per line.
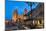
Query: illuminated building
x=15, y=16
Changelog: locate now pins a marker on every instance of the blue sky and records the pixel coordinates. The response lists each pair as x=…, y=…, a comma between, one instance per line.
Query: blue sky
x=11, y=5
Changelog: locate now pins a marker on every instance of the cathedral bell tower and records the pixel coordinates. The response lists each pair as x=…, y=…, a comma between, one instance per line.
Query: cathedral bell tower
x=15, y=16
